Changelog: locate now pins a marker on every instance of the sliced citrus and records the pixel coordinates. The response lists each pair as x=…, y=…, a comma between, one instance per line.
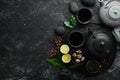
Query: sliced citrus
x=64, y=49
x=66, y=58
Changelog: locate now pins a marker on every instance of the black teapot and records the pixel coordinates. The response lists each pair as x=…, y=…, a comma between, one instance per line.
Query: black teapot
x=100, y=42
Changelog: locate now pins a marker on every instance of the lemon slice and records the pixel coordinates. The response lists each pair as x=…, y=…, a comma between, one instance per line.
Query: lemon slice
x=64, y=49
x=66, y=58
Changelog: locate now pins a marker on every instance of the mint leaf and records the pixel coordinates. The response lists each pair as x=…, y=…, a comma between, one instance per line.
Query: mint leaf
x=67, y=24
x=56, y=63
x=72, y=23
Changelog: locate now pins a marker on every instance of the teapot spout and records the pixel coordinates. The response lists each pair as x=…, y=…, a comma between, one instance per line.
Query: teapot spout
x=90, y=31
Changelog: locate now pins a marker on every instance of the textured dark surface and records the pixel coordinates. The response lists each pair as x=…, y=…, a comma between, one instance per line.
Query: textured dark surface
x=25, y=28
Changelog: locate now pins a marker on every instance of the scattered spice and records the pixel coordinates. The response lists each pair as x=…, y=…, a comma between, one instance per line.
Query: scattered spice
x=57, y=42
x=51, y=41
x=53, y=53
x=103, y=63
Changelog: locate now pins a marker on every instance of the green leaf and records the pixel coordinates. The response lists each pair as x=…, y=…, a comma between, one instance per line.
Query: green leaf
x=56, y=63
x=67, y=24
x=72, y=23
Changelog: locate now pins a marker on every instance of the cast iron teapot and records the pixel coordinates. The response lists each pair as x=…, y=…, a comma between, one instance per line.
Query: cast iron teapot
x=100, y=42
x=110, y=12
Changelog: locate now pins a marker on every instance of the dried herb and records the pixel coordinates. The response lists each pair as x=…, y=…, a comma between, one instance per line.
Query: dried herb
x=57, y=42
x=71, y=23
x=103, y=63
x=53, y=53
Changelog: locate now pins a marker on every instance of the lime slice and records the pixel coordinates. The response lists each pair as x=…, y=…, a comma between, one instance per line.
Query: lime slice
x=64, y=49
x=66, y=58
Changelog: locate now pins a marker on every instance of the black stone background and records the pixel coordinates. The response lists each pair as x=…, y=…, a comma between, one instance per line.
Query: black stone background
x=25, y=28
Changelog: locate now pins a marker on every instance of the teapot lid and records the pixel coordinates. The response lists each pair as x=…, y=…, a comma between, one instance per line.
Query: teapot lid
x=114, y=12
x=100, y=44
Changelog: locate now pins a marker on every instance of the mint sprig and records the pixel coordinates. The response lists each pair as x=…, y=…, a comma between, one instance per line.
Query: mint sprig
x=72, y=23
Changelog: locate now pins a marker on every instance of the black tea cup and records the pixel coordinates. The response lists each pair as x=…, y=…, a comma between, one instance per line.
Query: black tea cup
x=84, y=15
x=76, y=39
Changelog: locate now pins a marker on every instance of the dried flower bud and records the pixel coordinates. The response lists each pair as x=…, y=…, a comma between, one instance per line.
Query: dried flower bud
x=77, y=60
x=74, y=55
x=83, y=58
x=79, y=56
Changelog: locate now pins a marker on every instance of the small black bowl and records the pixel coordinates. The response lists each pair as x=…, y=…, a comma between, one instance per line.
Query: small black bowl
x=76, y=39
x=83, y=53
x=84, y=15
x=92, y=66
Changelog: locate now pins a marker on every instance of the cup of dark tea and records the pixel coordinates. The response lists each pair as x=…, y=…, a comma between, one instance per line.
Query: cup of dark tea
x=76, y=39
x=92, y=66
x=84, y=15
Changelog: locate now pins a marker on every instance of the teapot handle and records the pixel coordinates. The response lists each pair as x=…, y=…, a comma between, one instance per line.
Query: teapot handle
x=103, y=2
